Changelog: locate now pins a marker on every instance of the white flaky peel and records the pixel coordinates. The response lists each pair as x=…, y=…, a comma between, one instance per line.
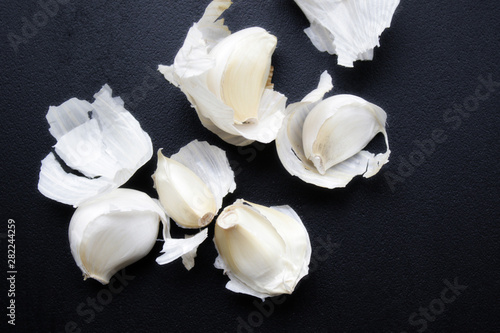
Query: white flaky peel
x=114, y=230
x=322, y=142
x=265, y=251
x=227, y=79
x=102, y=141
x=192, y=183
x=348, y=28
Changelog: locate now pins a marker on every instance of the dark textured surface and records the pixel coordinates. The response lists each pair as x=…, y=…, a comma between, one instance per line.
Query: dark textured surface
x=393, y=247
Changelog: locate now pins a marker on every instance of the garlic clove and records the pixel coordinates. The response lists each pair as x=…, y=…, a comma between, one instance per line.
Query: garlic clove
x=226, y=78
x=112, y=231
x=348, y=28
x=264, y=251
x=338, y=128
x=192, y=183
x=183, y=194
x=107, y=148
x=244, y=54
x=292, y=139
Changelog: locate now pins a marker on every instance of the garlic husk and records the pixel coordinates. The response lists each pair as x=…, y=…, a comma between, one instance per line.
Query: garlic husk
x=348, y=28
x=106, y=148
x=322, y=142
x=192, y=183
x=265, y=251
x=226, y=78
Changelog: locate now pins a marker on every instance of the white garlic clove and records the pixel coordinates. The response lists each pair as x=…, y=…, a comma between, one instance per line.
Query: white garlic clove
x=192, y=183
x=338, y=128
x=241, y=71
x=112, y=231
x=226, y=78
x=183, y=194
x=264, y=251
x=348, y=28
x=107, y=148
x=337, y=156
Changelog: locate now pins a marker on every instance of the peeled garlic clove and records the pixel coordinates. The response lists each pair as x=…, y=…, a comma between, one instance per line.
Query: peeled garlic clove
x=322, y=142
x=227, y=78
x=183, y=194
x=265, y=251
x=113, y=231
x=106, y=148
x=244, y=54
x=192, y=183
x=338, y=128
x=348, y=28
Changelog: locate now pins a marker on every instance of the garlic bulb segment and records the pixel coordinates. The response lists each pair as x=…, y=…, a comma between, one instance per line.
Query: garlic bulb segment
x=102, y=141
x=348, y=28
x=227, y=79
x=321, y=142
x=265, y=251
x=192, y=183
x=112, y=231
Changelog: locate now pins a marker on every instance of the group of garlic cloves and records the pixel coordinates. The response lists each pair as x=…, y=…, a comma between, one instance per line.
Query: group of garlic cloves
x=226, y=77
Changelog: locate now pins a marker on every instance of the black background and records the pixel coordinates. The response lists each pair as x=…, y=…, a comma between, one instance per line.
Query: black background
x=392, y=248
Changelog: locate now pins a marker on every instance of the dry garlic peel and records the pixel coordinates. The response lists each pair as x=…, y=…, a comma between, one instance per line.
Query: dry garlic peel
x=265, y=251
x=106, y=148
x=321, y=142
x=192, y=183
x=348, y=28
x=226, y=77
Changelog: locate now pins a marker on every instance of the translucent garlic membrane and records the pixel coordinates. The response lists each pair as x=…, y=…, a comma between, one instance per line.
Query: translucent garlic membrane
x=106, y=147
x=227, y=79
x=265, y=251
x=192, y=183
x=114, y=230
x=348, y=28
x=321, y=142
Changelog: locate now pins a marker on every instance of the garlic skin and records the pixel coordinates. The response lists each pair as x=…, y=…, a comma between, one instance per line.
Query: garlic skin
x=321, y=142
x=348, y=28
x=113, y=231
x=227, y=79
x=265, y=251
x=192, y=183
x=106, y=148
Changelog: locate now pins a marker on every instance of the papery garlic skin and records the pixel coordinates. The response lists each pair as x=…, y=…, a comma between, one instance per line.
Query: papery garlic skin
x=192, y=183
x=265, y=251
x=322, y=142
x=348, y=28
x=226, y=78
x=107, y=148
x=112, y=231
x=183, y=194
